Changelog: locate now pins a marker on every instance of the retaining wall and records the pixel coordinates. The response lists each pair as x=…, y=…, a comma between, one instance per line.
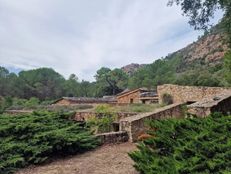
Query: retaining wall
x=219, y=103
x=84, y=116
x=135, y=125
x=113, y=137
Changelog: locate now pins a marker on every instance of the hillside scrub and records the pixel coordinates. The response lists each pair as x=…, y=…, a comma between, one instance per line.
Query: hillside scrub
x=195, y=145
x=34, y=138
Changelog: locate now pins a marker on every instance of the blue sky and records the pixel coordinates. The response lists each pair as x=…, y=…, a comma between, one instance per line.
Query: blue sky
x=80, y=36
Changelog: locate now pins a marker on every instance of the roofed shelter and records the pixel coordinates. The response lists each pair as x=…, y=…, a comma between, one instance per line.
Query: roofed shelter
x=140, y=95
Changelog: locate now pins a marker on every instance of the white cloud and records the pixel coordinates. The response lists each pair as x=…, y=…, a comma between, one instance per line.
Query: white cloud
x=81, y=36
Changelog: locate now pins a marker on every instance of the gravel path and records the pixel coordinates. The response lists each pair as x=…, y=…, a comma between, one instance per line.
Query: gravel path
x=108, y=159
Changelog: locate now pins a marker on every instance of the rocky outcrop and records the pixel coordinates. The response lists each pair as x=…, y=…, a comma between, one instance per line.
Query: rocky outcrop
x=131, y=68
x=210, y=48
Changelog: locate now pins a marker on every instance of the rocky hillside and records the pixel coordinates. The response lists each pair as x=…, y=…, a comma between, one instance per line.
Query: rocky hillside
x=208, y=50
x=131, y=68
x=200, y=64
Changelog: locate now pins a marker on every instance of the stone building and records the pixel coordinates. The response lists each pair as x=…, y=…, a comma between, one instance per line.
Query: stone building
x=84, y=100
x=219, y=103
x=140, y=95
x=189, y=94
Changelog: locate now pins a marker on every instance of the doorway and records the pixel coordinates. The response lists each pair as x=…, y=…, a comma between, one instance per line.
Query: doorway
x=131, y=100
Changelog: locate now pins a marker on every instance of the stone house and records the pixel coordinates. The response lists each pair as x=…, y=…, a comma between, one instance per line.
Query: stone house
x=140, y=95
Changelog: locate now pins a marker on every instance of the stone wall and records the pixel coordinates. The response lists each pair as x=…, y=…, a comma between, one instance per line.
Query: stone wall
x=220, y=103
x=113, y=137
x=189, y=93
x=63, y=102
x=84, y=116
x=135, y=125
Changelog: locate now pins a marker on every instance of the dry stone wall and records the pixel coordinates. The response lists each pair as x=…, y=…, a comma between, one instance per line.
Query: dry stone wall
x=219, y=103
x=113, y=137
x=135, y=125
x=84, y=116
x=189, y=93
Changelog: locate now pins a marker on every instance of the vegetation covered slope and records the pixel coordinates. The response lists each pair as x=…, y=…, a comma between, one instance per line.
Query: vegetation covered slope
x=34, y=138
x=187, y=146
x=200, y=64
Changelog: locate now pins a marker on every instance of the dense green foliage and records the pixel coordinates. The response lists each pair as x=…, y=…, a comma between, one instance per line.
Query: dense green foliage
x=187, y=146
x=42, y=83
x=33, y=138
x=46, y=84
x=173, y=69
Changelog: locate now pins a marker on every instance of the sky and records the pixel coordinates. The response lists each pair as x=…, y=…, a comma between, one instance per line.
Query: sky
x=81, y=36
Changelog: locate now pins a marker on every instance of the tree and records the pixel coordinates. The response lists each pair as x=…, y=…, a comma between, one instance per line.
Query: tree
x=72, y=86
x=111, y=81
x=200, y=13
x=43, y=83
x=85, y=88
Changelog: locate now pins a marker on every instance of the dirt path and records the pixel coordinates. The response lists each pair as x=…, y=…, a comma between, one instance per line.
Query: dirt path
x=110, y=159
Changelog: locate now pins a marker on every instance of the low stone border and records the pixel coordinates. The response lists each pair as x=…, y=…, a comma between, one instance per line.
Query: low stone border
x=84, y=116
x=113, y=137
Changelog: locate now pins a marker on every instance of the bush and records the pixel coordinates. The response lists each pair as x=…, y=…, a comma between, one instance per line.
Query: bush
x=167, y=99
x=104, y=119
x=5, y=103
x=34, y=138
x=32, y=102
x=197, y=145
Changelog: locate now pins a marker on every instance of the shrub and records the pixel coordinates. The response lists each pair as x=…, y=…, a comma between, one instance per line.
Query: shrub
x=104, y=119
x=5, y=103
x=167, y=99
x=197, y=145
x=34, y=138
x=32, y=102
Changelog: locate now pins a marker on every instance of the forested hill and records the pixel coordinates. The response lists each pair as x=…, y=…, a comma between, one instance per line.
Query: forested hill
x=200, y=63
